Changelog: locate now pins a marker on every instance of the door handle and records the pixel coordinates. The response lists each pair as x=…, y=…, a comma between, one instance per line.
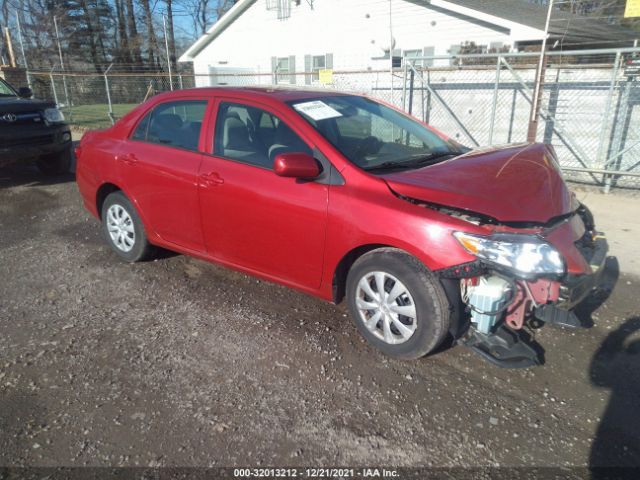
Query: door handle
x=211, y=179
x=128, y=158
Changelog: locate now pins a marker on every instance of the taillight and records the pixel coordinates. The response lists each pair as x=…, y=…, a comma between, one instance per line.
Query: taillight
x=78, y=151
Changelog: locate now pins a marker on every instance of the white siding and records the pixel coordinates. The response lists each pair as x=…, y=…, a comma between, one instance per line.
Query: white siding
x=354, y=31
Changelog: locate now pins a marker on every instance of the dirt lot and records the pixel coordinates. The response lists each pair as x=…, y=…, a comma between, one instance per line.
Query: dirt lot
x=179, y=362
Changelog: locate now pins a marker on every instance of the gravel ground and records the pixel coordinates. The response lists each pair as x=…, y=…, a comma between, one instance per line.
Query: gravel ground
x=180, y=362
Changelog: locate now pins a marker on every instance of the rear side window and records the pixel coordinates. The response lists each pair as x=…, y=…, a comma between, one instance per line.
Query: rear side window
x=174, y=124
x=254, y=136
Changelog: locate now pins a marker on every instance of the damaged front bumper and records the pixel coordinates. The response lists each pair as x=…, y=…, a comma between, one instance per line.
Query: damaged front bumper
x=501, y=305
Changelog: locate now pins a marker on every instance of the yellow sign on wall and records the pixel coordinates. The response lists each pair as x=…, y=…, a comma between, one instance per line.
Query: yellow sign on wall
x=632, y=9
x=325, y=76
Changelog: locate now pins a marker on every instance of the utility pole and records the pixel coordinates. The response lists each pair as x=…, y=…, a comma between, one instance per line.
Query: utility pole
x=9, y=45
x=24, y=57
x=166, y=46
x=537, y=92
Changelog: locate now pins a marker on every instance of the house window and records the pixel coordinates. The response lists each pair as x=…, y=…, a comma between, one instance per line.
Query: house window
x=313, y=64
x=397, y=58
x=283, y=70
x=412, y=54
x=319, y=62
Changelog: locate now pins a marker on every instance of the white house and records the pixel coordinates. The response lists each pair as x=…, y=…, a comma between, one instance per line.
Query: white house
x=273, y=38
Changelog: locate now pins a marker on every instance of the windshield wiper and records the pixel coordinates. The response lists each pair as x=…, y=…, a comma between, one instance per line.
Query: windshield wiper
x=387, y=166
x=415, y=162
x=432, y=157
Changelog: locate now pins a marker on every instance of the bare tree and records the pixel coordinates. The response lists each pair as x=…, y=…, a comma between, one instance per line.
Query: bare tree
x=205, y=12
x=152, y=41
x=134, y=38
x=122, y=53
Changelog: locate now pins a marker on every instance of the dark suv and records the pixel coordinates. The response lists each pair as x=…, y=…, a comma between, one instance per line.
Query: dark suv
x=32, y=130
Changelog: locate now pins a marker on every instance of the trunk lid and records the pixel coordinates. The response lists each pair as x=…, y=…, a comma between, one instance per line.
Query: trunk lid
x=518, y=183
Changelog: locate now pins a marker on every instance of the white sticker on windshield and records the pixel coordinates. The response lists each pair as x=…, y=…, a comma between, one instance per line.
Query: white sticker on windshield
x=317, y=110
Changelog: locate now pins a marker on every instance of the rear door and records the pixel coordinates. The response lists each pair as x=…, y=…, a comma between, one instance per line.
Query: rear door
x=251, y=217
x=159, y=166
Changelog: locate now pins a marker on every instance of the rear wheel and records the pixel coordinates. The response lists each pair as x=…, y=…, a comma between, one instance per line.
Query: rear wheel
x=55, y=163
x=397, y=304
x=123, y=229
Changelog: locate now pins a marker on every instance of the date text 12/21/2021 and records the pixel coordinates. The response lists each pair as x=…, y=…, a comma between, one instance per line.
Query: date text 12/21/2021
x=315, y=473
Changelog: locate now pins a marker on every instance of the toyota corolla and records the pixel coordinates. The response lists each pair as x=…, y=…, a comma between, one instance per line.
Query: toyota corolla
x=343, y=197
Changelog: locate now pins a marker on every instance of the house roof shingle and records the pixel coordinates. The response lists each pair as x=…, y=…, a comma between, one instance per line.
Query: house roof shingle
x=564, y=25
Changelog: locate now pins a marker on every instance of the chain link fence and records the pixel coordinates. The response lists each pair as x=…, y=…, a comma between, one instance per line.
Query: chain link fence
x=588, y=109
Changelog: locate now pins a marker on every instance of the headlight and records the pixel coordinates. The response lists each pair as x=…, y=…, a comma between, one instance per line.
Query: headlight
x=53, y=115
x=524, y=254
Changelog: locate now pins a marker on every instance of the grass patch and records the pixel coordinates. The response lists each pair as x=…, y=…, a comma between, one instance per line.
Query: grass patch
x=96, y=116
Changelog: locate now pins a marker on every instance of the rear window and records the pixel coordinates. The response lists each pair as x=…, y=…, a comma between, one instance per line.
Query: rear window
x=175, y=124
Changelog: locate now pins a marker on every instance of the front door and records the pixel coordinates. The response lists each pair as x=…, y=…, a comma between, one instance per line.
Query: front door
x=251, y=217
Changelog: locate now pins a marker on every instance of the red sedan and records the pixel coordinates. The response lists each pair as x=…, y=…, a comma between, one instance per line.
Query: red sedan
x=338, y=195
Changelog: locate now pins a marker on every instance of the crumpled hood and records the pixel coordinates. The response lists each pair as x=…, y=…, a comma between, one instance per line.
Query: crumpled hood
x=20, y=105
x=519, y=183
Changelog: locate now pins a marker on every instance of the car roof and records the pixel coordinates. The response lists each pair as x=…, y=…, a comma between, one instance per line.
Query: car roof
x=272, y=92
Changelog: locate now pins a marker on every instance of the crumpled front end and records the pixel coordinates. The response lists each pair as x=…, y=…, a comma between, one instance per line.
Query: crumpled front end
x=525, y=278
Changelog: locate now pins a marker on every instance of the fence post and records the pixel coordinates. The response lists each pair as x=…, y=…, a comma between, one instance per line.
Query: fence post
x=552, y=108
x=620, y=133
x=106, y=86
x=404, y=86
x=422, y=106
x=411, y=82
x=536, y=99
x=53, y=85
x=605, y=120
x=495, y=100
x=166, y=45
x=180, y=82
x=427, y=106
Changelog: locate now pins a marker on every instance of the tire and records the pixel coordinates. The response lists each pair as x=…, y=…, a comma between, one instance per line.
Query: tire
x=55, y=163
x=123, y=229
x=428, y=312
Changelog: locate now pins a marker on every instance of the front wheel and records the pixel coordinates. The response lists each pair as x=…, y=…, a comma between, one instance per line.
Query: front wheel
x=55, y=163
x=397, y=304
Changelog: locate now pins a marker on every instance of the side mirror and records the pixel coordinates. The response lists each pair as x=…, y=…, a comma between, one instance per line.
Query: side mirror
x=296, y=165
x=25, y=92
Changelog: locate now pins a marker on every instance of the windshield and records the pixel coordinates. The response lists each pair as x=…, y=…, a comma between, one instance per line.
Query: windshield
x=373, y=136
x=6, y=90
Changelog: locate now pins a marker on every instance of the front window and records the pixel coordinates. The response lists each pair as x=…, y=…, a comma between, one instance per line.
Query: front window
x=254, y=136
x=374, y=136
x=6, y=90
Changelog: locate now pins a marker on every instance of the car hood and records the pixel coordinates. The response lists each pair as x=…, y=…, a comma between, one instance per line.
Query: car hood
x=517, y=183
x=19, y=105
